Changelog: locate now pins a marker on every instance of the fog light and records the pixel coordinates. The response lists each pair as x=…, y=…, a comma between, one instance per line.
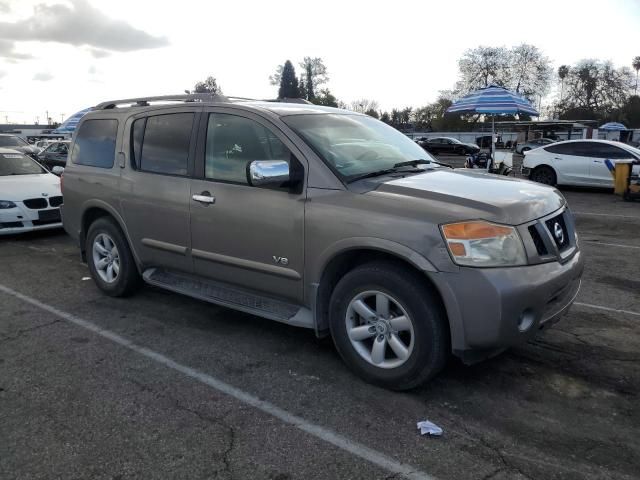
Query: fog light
x=526, y=320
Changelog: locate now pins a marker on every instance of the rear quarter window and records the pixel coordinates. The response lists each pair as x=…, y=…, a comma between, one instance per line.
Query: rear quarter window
x=95, y=144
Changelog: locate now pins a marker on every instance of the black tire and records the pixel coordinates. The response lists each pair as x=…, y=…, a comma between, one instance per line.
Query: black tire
x=431, y=345
x=128, y=279
x=544, y=174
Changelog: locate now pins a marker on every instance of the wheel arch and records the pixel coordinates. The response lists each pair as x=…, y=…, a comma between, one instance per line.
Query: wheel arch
x=98, y=209
x=339, y=261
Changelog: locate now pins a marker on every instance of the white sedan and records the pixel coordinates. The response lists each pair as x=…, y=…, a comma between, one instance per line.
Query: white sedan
x=30, y=196
x=577, y=162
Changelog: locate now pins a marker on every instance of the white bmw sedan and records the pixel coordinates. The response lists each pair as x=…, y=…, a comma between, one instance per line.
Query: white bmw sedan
x=30, y=196
x=577, y=162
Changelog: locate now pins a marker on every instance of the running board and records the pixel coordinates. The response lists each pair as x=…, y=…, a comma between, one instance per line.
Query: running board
x=229, y=296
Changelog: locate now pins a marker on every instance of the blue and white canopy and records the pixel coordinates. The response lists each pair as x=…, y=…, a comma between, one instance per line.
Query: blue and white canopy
x=493, y=100
x=613, y=126
x=70, y=124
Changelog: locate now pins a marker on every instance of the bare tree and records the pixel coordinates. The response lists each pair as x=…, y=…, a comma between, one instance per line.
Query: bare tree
x=277, y=76
x=636, y=67
x=483, y=66
x=530, y=71
x=362, y=105
x=314, y=73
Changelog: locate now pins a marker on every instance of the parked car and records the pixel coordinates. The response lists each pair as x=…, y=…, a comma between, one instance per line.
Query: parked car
x=576, y=162
x=320, y=218
x=14, y=142
x=448, y=145
x=531, y=144
x=30, y=196
x=55, y=155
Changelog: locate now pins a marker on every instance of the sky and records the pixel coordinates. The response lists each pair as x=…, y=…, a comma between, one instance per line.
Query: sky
x=60, y=56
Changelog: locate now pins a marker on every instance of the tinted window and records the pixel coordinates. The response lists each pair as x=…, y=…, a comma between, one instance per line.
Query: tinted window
x=137, y=134
x=95, y=143
x=603, y=150
x=165, y=143
x=233, y=142
x=566, y=148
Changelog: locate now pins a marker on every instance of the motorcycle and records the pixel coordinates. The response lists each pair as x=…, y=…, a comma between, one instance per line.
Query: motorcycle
x=481, y=160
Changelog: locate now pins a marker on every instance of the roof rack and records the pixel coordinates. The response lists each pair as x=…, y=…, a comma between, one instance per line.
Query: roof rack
x=144, y=101
x=192, y=97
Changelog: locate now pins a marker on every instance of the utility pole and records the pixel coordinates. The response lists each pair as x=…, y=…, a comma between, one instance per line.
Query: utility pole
x=47, y=117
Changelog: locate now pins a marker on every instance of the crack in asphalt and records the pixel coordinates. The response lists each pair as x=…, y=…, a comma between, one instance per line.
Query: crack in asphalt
x=499, y=453
x=231, y=433
x=22, y=331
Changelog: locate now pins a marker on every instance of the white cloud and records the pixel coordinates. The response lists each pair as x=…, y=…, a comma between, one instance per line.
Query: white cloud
x=42, y=77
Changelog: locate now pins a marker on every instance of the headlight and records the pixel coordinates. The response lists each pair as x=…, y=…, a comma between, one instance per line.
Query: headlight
x=484, y=244
x=4, y=204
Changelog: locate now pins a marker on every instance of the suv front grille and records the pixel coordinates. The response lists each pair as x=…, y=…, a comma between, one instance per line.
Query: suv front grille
x=558, y=230
x=537, y=240
x=36, y=203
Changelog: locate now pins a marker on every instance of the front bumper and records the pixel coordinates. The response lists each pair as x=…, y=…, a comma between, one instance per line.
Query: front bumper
x=491, y=309
x=21, y=219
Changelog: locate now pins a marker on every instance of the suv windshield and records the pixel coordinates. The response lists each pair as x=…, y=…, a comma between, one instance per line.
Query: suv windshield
x=11, y=141
x=18, y=164
x=355, y=145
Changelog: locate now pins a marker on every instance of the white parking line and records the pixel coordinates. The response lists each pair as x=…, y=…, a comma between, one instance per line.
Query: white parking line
x=607, y=309
x=369, y=454
x=611, y=244
x=607, y=215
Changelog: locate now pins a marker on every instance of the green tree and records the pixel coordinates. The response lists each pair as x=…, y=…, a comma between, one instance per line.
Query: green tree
x=372, y=113
x=563, y=71
x=288, y=82
x=594, y=89
x=325, y=98
x=385, y=117
x=209, y=85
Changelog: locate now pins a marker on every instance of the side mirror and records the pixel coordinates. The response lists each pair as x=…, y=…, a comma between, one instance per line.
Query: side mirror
x=57, y=170
x=267, y=172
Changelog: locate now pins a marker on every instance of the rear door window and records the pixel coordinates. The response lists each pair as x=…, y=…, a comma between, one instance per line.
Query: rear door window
x=95, y=144
x=160, y=143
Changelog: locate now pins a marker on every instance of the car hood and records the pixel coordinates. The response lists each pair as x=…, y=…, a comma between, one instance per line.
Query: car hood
x=472, y=145
x=20, y=187
x=26, y=149
x=468, y=194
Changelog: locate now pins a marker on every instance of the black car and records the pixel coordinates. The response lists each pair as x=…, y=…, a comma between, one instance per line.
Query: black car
x=54, y=155
x=447, y=145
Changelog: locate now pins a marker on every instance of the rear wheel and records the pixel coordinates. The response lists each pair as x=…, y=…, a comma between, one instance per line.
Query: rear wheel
x=544, y=175
x=388, y=327
x=110, y=261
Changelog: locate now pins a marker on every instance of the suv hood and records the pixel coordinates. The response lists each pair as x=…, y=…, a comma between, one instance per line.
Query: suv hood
x=498, y=198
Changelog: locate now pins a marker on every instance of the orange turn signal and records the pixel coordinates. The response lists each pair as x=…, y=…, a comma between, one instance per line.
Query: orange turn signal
x=473, y=231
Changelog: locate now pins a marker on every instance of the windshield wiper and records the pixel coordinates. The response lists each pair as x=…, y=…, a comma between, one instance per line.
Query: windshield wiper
x=421, y=161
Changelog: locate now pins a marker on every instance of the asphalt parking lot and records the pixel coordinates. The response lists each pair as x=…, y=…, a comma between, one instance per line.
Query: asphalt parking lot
x=163, y=386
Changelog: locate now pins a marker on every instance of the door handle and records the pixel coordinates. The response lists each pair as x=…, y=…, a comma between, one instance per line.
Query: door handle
x=205, y=198
x=557, y=158
x=597, y=161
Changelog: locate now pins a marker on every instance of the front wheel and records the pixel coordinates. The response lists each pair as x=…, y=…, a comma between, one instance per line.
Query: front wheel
x=388, y=326
x=544, y=175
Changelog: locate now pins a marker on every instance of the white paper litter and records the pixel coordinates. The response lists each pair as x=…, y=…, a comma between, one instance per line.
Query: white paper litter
x=86, y=278
x=426, y=427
